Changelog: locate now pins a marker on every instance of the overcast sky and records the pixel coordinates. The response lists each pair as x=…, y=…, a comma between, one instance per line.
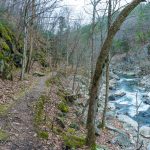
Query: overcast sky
x=83, y=8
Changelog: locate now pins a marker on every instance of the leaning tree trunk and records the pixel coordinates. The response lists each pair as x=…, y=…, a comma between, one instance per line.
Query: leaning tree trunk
x=107, y=69
x=90, y=141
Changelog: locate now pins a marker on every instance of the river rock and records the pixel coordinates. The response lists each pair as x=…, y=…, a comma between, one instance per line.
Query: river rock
x=148, y=147
x=126, y=119
x=113, y=82
x=130, y=74
x=111, y=106
x=145, y=131
x=119, y=94
x=147, y=101
x=114, y=76
x=111, y=98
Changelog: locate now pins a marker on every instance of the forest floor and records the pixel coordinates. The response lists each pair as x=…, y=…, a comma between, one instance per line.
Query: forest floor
x=43, y=118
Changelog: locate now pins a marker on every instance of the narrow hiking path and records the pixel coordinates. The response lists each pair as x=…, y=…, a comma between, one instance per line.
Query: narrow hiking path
x=19, y=121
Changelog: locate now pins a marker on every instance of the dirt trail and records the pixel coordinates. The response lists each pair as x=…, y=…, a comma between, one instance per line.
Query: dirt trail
x=19, y=122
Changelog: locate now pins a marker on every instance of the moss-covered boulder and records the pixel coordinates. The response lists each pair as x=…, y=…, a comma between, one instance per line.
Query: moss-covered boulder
x=63, y=107
x=3, y=135
x=8, y=53
x=72, y=140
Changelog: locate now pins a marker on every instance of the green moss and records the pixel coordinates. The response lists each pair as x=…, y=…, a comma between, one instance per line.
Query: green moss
x=63, y=107
x=62, y=95
x=43, y=134
x=40, y=117
x=48, y=82
x=3, y=135
x=99, y=147
x=72, y=140
x=4, y=46
x=57, y=130
x=5, y=33
x=39, y=111
x=4, y=109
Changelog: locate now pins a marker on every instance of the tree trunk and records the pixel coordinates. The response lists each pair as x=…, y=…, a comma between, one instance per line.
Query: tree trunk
x=24, y=58
x=31, y=38
x=106, y=95
x=90, y=141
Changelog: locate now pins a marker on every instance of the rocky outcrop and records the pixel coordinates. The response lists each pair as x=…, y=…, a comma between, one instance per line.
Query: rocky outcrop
x=128, y=120
x=145, y=131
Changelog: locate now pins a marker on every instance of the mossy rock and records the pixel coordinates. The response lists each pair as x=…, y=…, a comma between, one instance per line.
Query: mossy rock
x=38, y=74
x=72, y=140
x=43, y=135
x=5, y=33
x=60, y=121
x=3, y=135
x=63, y=107
x=74, y=126
x=57, y=130
x=4, y=45
x=4, y=109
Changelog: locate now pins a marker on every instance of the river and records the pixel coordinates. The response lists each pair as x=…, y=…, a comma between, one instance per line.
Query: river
x=134, y=97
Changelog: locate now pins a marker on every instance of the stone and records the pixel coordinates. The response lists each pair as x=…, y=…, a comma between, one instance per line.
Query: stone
x=146, y=101
x=112, y=88
x=71, y=98
x=121, y=140
x=111, y=98
x=126, y=119
x=60, y=122
x=111, y=106
x=148, y=147
x=119, y=94
x=114, y=76
x=97, y=132
x=145, y=131
x=74, y=126
x=38, y=74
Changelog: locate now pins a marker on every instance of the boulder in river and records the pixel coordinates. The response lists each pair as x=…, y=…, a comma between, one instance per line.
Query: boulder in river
x=145, y=131
x=111, y=98
x=114, y=76
x=119, y=94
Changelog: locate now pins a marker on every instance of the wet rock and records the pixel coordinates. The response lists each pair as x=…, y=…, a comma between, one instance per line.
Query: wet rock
x=112, y=88
x=146, y=101
x=111, y=98
x=145, y=131
x=119, y=94
x=114, y=76
x=111, y=106
x=129, y=74
x=113, y=82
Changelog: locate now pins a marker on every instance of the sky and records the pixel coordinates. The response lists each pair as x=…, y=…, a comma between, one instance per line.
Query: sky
x=83, y=8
